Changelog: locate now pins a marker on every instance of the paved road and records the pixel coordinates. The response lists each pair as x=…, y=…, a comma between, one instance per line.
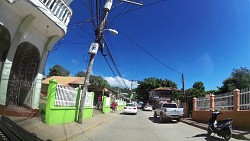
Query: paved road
x=143, y=127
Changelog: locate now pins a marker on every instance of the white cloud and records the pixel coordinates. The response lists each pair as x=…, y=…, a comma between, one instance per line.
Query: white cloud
x=118, y=82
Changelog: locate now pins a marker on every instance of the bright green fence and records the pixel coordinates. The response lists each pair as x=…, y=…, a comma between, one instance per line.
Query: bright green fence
x=59, y=112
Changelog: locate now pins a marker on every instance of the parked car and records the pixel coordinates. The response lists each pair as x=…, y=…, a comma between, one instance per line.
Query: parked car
x=168, y=111
x=130, y=108
x=139, y=106
x=147, y=108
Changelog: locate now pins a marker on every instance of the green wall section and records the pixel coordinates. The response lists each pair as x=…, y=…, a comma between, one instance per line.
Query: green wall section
x=60, y=114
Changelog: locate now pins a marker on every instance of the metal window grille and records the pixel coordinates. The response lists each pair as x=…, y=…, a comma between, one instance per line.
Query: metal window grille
x=65, y=96
x=223, y=101
x=203, y=104
x=245, y=99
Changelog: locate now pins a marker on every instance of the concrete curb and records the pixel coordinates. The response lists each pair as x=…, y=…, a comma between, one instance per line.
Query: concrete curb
x=204, y=127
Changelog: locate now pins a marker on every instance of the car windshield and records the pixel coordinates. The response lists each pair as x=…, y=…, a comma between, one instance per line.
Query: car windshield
x=169, y=105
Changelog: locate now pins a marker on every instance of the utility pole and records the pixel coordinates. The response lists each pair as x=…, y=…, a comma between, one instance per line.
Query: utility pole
x=182, y=80
x=93, y=51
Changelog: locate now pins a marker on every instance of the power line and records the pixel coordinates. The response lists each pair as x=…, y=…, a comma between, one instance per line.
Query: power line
x=136, y=44
x=110, y=67
x=117, y=69
x=138, y=8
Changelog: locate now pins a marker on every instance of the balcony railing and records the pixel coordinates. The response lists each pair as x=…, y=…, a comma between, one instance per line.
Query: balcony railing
x=60, y=9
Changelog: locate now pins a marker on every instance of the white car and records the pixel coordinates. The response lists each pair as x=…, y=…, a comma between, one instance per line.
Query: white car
x=130, y=108
x=147, y=108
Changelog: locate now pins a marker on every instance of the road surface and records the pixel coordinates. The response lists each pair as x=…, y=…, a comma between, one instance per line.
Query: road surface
x=143, y=127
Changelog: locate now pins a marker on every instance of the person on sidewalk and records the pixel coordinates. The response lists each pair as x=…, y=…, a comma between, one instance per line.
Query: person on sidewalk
x=113, y=106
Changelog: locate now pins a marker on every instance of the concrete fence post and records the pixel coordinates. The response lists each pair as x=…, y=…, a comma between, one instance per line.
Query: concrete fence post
x=236, y=100
x=212, y=102
x=194, y=103
x=50, y=99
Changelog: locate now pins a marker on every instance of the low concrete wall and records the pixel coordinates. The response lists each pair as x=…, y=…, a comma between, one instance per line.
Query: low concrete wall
x=62, y=114
x=240, y=118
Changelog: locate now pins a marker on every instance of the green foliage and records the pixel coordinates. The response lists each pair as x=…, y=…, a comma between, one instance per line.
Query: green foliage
x=211, y=92
x=151, y=83
x=94, y=80
x=198, y=90
x=58, y=70
x=240, y=79
x=98, y=81
x=80, y=74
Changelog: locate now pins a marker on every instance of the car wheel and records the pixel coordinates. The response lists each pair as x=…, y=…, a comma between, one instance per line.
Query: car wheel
x=155, y=115
x=178, y=120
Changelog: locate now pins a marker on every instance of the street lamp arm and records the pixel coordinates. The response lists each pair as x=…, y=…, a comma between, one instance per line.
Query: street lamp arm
x=113, y=31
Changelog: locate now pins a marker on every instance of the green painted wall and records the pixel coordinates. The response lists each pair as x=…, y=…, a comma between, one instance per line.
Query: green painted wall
x=59, y=114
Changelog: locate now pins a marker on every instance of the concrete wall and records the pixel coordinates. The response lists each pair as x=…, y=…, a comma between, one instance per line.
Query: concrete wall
x=240, y=118
x=61, y=114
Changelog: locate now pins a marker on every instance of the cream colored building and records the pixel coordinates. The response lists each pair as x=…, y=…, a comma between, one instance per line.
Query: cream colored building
x=28, y=31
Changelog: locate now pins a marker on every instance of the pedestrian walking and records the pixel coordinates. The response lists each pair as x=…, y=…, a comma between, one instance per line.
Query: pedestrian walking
x=113, y=106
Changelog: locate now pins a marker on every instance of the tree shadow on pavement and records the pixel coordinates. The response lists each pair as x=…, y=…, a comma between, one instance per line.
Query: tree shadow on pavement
x=157, y=120
x=207, y=137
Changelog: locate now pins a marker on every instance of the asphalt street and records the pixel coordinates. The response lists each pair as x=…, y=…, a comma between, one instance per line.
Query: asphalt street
x=143, y=127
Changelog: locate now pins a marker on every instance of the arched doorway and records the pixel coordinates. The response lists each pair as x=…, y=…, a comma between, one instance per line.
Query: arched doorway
x=22, y=75
x=5, y=40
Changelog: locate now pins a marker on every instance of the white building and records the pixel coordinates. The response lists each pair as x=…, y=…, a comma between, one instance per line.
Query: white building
x=28, y=31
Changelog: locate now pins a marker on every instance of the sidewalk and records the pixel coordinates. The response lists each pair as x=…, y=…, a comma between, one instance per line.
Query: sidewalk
x=62, y=132
x=244, y=135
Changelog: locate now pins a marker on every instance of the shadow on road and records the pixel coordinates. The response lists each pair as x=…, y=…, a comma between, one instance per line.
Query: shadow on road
x=207, y=137
x=157, y=120
x=127, y=114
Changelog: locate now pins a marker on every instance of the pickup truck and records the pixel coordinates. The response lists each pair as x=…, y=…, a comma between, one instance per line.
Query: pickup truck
x=168, y=111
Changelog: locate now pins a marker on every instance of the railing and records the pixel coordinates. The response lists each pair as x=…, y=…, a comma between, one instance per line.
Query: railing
x=245, y=99
x=65, y=96
x=223, y=101
x=203, y=103
x=60, y=9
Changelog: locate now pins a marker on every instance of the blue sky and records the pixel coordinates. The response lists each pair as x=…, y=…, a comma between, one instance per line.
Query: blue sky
x=205, y=40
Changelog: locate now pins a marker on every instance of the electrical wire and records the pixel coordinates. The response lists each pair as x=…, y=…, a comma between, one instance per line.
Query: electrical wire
x=110, y=67
x=113, y=61
x=138, y=8
x=147, y=52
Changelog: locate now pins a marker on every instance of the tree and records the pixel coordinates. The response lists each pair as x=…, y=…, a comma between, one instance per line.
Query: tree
x=80, y=74
x=98, y=81
x=240, y=79
x=94, y=80
x=151, y=83
x=58, y=70
x=198, y=90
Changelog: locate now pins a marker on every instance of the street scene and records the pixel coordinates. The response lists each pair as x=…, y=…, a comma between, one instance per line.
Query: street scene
x=145, y=127
x=116, y=70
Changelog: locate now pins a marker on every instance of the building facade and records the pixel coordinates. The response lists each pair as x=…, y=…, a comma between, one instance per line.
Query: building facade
x=28, y=31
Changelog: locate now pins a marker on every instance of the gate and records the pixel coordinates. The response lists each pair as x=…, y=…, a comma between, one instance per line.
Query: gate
x=22, y=75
